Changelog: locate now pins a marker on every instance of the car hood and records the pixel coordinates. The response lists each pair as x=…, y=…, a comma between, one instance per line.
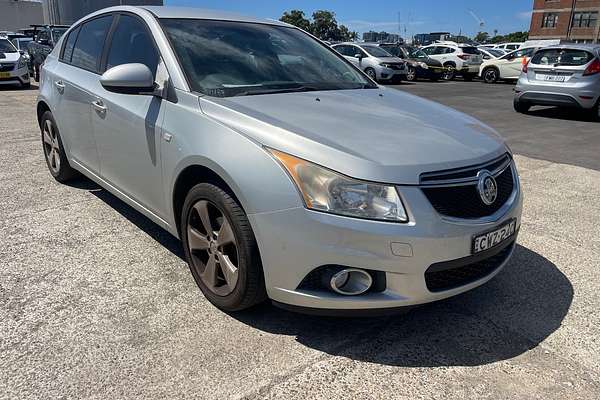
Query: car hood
x=10, y=57
x=382, y=135
x=390, y=59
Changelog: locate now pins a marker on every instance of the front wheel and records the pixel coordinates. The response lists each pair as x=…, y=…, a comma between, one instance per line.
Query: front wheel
x=490, y=75
x=220, y=249
x=411, y=74
x=520, y=106
x=449, y=73
x=371, y=73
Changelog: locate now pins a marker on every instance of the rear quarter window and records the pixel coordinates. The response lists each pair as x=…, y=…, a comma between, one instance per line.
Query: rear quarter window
x=571, y=57
x=470, y=50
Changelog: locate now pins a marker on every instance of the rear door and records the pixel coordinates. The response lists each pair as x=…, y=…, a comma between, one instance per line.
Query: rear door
x=559, y=66
x=512, y=64
x=74, y=83
x=127, y=127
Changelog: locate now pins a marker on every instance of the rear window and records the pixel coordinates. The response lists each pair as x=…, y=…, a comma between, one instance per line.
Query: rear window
x=571, y=57
x=470, y=50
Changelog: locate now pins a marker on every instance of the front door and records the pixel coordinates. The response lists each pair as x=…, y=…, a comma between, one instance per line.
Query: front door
x=127, y=127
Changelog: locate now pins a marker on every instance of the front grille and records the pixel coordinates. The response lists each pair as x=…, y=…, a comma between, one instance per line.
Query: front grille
x=444, y=276
x=7, y=67
x=463, y=201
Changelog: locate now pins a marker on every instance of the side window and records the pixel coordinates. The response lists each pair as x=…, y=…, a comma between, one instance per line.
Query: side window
x=341, y=50
x=89, y=44
x=43, y=36
x=69, y=45
x=428, y=50
x=131, y=43
x=449, y=50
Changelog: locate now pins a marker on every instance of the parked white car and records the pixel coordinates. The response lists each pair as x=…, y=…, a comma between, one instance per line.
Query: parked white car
x=376, y=62
x=13, y=65
x=507, y=67
x=489, y=53
x=509, y=46
x=457, y=58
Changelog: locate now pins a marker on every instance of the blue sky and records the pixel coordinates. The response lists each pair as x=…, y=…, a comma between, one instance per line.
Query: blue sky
x=419, y=16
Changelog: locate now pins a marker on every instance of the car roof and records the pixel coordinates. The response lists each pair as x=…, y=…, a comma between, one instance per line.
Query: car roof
x=201, y=13
x=576, y=46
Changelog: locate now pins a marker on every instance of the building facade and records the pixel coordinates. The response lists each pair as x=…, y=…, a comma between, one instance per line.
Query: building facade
x=568, y=20
x=66, y=12
x=381, y=37
x=19, y=14
x=425, y=39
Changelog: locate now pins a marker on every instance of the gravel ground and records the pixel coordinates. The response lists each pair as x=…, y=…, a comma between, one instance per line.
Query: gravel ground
x=96, y=301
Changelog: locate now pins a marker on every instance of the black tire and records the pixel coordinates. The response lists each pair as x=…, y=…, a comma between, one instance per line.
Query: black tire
x=596, y=111
x=521, y=107
x=250, y=287
x=468, y=77
x=411, y=74
x=61, y=171
x=490, y=75
x=26, y=85
x=450, y=72
x=372, y=74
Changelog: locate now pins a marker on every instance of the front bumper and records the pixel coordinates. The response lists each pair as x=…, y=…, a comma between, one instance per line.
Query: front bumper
x=582, y=94
x=389, y=73
x=16, y=76
x=296, y=241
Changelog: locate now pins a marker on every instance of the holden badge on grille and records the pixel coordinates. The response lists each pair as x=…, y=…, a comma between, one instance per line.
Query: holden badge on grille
x=487, y=187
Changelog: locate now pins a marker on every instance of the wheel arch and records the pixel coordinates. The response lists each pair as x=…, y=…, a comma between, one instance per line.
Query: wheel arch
x=193, y=174
x=42, y=107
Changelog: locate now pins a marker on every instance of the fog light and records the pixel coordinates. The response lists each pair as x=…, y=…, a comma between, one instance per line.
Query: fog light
x=351, y=282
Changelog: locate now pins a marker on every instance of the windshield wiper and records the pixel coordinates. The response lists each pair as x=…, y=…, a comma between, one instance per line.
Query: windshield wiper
x=277, y=90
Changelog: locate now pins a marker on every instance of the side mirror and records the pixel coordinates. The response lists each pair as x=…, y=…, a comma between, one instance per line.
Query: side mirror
x=129, y=79
x=22, y=52
x=359, y=56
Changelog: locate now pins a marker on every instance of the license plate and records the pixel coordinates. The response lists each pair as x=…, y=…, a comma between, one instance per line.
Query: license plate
x=4, y=74
x=490, y=239
x=550, y=78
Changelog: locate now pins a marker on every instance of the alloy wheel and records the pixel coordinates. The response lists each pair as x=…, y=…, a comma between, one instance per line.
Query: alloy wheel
x=51, y=147
x=371, y=74
x=213, y=247
x=491, y=76
x=411, y=74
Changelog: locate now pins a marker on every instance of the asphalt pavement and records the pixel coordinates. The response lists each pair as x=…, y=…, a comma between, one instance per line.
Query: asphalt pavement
x=96, y=301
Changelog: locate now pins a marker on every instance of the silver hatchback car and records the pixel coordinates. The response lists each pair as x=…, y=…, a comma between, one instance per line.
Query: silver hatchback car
x=286, y=172
x=563, y=75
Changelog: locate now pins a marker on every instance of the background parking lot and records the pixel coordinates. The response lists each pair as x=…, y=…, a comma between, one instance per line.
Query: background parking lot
x=97, y=302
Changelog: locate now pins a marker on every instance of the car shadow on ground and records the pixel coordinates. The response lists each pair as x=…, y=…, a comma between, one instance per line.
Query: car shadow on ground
x=568, y=114
x=502, y=319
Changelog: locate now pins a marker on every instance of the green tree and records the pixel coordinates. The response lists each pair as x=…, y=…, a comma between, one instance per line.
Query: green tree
x=296, y=18
x=482, y=37
x=324, y=26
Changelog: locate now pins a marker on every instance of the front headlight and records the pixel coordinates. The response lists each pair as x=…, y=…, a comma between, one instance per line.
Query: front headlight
x=385, y=65
x=423, y=65
x=22, y=62
x=328, y=191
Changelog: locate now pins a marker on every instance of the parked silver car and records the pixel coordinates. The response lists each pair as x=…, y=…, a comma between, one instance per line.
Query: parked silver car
x=562, y=75
x=284, y=170
x=374, y=61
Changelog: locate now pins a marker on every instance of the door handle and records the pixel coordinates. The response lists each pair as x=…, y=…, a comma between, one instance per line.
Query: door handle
x=60, y=86
x=99, y=106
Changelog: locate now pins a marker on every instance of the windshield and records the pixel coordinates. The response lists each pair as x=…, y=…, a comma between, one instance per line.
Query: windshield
x=224, y=58
x=565, y=57
x=21, y=43
x=416, y=53
x=495, y=53
x=57, y=33
x=6, y=46
x=376, y=51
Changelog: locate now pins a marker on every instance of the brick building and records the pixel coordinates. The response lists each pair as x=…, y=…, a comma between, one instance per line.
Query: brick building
x=569, y=20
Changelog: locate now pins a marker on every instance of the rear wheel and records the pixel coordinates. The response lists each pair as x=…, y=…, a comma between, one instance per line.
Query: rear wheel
x=520, y=106
x=54, y=151
x=596, y=111
x=220, y=249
